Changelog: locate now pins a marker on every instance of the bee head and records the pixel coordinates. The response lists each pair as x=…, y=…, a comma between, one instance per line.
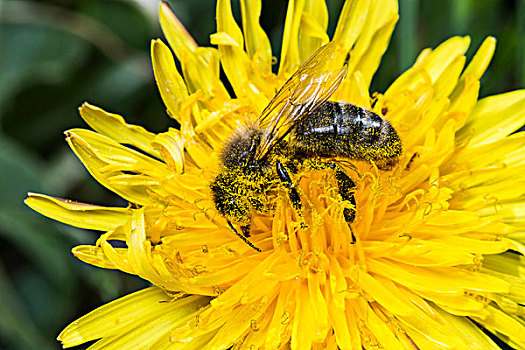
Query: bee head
x=240, y=150
x=230, y=198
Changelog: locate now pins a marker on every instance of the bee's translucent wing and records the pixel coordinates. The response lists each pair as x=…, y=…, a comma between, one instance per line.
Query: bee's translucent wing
x=311, y=85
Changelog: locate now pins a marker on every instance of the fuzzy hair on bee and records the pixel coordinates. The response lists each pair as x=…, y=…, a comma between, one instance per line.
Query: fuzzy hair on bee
x=241, y=146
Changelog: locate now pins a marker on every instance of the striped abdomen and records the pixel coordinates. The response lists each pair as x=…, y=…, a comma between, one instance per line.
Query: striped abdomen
x=338, y=129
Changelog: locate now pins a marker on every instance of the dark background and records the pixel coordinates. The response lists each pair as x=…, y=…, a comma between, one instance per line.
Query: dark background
x=54, y=55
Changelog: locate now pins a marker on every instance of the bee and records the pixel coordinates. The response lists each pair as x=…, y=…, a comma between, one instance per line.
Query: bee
x=300, y=130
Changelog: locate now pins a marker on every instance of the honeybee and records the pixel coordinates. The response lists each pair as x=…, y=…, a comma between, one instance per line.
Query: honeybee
x=300, y=130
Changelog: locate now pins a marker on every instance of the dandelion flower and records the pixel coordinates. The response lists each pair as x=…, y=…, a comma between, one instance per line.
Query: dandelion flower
x=439, y=238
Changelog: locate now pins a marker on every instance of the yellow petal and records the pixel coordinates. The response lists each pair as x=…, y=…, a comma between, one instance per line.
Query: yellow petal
x=94, y=256
x=499, y=321
x=437, y=62
x=463, y=100
x=447, y=81
x=477, y=197
x=337, y=283
x=319, y=308
x=249, y=288
x=303, y=321
x=351, y=22
x=95, y=165
x=118, y=155
x=312, y=28
x=170, y=343
x=423, y=341
x=229, y=38
x=226, y=23
x=432, y=64
x=493, y=118
x=382, y=295
x=462, y=179
x=422, y=319
x=171, y=86
x=374, y=38
x=353, y=323
x=177, y=35
x=509, y=211
x=339, y=322
x=290, y=58
x=508, y=263
x=192, y=332
x=437, y=279
x=257, y=44
x=139, y=249
x=370, y=58
x=354, y=89
x=114, y=127
x=380, y=334
x=481, y=59
x=199, y=65
x=135, y=317
x=476, y=245
x=171, y=148
x=239, y=321
x=223, y=38
x=82, y=215
x=422, y=253
x=117, y=256
x=458, y=304
x=278, y=330
x=477, y=65
x=473, y=335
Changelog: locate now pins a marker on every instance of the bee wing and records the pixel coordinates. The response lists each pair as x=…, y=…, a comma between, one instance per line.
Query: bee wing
x=311, y=85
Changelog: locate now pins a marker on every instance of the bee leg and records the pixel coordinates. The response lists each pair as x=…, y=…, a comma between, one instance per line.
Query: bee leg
x=244, y=235
x=346, y=189
x=286, y=180
x=245, y=231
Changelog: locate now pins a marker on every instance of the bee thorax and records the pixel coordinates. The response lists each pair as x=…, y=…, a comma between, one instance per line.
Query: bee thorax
x=240, y=150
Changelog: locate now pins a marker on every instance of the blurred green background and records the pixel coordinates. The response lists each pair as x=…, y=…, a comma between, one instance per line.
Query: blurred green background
x=54, y=55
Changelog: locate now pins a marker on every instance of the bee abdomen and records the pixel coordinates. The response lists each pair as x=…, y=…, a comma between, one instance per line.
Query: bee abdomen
x=338, y=129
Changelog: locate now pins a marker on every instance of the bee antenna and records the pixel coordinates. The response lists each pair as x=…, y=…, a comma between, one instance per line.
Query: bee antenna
x=245, y=240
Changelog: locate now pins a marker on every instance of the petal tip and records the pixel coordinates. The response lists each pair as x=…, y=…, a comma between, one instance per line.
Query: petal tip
x=491, y=39
x=164, y=6
x=85, y=104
